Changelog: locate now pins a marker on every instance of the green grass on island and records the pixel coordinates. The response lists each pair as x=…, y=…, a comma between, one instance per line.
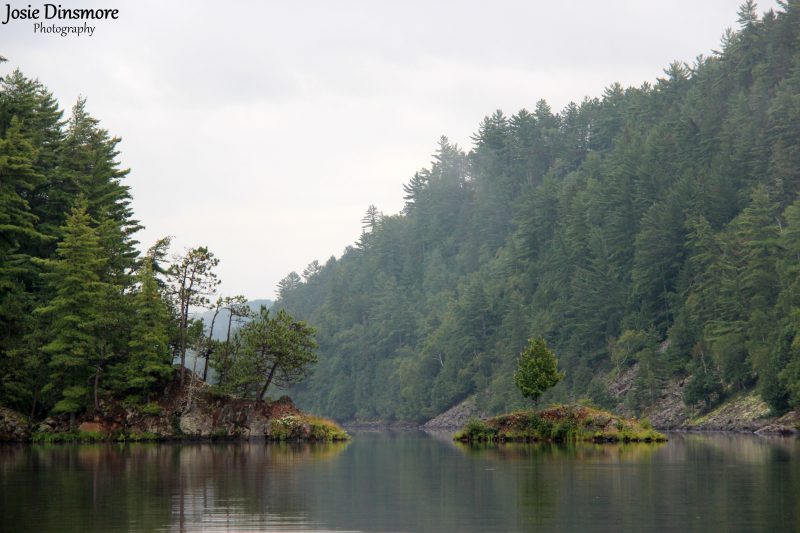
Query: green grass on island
x=306, y=427
x=559, y=423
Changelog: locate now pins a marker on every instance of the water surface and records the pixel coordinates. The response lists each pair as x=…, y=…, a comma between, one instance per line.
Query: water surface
x=404, y=481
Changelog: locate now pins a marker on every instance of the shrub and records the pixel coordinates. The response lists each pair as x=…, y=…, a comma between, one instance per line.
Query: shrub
x=144, y=436
x=540, y=428
x=323, y=429
x=564, y=431
x=288, y=427
x=477, y=430
x=151, y=408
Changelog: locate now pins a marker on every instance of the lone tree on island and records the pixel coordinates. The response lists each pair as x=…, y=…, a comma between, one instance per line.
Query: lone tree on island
x=537, y=370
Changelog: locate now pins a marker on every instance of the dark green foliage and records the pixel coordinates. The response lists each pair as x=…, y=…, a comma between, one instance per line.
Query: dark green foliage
x=149, y=363
x=82, y=318
x=660, y=216
x=271, y=349
x=476, y=430
x=77, y=315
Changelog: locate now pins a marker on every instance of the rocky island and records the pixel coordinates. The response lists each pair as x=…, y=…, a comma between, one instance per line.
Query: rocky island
x=190, y=412
x=560, y=423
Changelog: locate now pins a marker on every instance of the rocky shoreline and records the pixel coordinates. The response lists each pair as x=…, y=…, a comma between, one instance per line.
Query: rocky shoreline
x=741, y=413
x=194, y=412
x=191, y=411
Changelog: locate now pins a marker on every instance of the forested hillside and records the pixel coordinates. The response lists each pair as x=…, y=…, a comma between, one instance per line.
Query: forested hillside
x=665, y=212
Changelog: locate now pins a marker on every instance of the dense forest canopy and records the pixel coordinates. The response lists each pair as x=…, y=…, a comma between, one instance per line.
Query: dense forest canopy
x=87, y=322
x=656, y=226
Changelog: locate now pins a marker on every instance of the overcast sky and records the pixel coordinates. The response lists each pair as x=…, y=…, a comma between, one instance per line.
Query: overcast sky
x=265, y=129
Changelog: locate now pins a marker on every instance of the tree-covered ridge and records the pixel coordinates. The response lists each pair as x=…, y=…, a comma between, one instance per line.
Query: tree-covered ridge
x=655, y=225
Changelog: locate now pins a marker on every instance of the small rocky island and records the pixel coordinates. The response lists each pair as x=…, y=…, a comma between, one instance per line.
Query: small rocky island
x=560, y=423
x=191, y=411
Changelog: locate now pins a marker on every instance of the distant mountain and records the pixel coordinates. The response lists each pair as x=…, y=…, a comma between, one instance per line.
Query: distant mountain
x=221, y=324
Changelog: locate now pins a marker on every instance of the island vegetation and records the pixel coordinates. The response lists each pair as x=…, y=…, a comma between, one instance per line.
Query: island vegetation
x=537, y=371
x=560, y=423
x=96, y=337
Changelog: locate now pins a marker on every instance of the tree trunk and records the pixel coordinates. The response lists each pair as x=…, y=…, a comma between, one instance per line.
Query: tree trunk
x=183, y=344
x=205, y=365
x=269, y=380
x=227, y=352
x=210, y=337
x=96, y=387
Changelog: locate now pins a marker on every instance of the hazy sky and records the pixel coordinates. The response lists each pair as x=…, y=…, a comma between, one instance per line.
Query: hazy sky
x=265, y=129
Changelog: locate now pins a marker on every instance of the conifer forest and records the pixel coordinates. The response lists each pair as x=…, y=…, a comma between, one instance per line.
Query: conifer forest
x=655, y=227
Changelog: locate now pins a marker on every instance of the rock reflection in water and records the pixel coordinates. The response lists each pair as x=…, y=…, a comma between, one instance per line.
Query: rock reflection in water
x=405, y=481
x=147, y=487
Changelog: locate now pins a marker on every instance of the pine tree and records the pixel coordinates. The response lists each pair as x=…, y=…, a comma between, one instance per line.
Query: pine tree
x=76, y=315
x=18, y=239
x=192, y=280
x=276, y=350
x=149, y=361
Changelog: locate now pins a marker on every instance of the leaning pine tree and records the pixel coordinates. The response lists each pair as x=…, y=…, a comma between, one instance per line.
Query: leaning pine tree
x=537, y=370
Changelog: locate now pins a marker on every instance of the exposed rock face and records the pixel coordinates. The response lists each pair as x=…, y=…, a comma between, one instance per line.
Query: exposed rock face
x=669, y=411
x=457, y=416
x=744, y=412
x=210, y=417
x=192, y=411
x=188, y=410
x=623, y=383
x=13, y=426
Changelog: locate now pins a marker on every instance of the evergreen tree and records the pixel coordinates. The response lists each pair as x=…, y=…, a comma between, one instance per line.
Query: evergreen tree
x=76, y=315
x=191, y=281
x=149, y=362
x=537, y=370
x=276, y=350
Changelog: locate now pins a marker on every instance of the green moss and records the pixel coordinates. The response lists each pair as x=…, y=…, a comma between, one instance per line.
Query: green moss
x=151, y=408
x=176, y=427
x=219, y=434
x=144, y=436
x=46, y=437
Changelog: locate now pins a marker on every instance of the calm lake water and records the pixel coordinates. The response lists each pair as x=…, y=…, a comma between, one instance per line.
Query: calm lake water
x=405, y=481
